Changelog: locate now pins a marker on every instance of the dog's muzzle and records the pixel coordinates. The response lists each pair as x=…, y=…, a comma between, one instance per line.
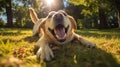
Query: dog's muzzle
x=59, y=31
x=58, y=18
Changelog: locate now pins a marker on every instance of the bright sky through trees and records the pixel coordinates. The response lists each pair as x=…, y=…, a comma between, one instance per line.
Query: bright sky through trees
x=49, y=2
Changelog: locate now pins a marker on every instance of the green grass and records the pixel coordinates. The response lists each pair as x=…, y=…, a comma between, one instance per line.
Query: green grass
x=18, y=43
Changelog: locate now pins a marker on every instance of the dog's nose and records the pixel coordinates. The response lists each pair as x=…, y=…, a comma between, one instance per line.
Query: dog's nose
x=58, y=17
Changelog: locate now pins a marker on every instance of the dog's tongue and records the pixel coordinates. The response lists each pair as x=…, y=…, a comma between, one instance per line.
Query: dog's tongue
x=60, y=32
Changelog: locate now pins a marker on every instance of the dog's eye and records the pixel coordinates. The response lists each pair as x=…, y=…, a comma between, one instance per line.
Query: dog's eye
x=65, y=14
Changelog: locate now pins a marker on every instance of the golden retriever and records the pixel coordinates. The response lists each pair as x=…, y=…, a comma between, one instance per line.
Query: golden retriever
x=58, y=27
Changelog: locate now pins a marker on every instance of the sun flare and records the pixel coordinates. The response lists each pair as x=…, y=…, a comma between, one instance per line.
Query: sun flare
x=49, y=2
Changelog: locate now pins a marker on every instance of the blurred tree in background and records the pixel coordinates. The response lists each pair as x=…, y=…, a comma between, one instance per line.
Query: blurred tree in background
x=7, y=5
x=2, y=23
x=115, y=5
x=97, y=13
x=100, y=14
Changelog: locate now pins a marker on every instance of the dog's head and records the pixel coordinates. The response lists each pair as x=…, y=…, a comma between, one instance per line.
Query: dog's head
x=57, y=25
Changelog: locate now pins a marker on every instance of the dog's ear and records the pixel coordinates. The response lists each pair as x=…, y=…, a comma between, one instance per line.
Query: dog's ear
x=73, y=22
x=33, y=15
x=38, y=26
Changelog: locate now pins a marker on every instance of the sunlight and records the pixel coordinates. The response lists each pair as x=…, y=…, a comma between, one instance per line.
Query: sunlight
x=49, y=2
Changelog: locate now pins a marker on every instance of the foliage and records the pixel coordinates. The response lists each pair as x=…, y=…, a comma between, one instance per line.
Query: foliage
x=94, y=11
x=20, y=11
x=2, y=5
x=19, y=44
x=87, y=13
x=2, y=23
x=21, y=14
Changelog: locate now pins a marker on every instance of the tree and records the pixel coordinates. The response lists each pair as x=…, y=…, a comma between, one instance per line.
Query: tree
x=116, y=6
x=92, y=7
x=74, y=10
x=9, y=13
x=21, y=13
x=103, y=19
x=7, y=5
x=2, y=23
x=104, y=7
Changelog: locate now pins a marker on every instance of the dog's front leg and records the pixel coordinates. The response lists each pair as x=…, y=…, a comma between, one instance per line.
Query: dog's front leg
x=44, y=52
x=84, y=41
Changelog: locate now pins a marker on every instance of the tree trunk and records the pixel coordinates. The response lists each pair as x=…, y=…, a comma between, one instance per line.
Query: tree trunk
x=118, y=12
x=119, y=18
x=103, y=20
x=9, y=14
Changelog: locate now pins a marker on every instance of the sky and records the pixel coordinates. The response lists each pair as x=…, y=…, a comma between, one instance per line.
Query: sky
x=66, y=3
x=3, y=16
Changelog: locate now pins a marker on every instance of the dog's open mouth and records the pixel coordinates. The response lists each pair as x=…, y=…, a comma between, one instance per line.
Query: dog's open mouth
x=59, y=32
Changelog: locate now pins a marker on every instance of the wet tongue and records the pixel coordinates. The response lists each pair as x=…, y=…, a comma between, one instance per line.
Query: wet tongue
x=60, y=33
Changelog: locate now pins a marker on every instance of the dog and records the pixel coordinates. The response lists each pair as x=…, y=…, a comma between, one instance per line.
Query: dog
x=57, y=28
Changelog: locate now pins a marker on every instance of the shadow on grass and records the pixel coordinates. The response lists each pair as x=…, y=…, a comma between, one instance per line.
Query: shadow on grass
x=75, y=55
x=100, y=33
x=79, y=56
x=11, y=33
x=28, y=38
x=31, y=39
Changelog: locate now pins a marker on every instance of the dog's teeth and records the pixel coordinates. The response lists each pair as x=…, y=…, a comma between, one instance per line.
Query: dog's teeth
x=61, y=37
x=60, y=33
x=57, y=36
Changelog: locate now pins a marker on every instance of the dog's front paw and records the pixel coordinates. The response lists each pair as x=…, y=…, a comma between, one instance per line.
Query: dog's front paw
x=87, y=43
x=45, y=53
x=91, y=45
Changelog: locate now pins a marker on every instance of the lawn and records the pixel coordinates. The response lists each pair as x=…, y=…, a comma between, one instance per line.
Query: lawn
x=16, y=49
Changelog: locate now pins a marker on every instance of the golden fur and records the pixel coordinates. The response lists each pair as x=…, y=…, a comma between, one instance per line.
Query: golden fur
x=58, y=27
